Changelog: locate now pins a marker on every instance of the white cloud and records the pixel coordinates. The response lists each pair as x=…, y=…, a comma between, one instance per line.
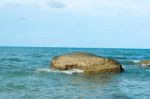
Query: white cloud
x=33, y=3
x=86, y=6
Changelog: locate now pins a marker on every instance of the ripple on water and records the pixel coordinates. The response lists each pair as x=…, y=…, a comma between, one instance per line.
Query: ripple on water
x=24, y=75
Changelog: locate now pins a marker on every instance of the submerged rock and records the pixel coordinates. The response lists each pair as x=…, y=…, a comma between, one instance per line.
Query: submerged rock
x=89, y=63
x=144, y=63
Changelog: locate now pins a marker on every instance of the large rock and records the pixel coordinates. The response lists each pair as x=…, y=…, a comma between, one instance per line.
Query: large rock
x=144, y=63
x=89, y=63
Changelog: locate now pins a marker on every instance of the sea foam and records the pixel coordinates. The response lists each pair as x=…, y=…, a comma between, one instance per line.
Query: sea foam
x=72, y=71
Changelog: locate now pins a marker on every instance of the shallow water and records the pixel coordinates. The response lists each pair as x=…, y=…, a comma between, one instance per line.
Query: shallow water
x=25, y=74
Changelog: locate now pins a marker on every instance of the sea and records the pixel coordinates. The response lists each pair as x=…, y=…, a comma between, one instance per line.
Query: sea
x=25, y=73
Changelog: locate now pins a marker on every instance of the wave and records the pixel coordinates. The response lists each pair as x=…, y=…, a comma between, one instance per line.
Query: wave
x=136, y=61
x=148, y=70
x=72, y=71
x=130, y=62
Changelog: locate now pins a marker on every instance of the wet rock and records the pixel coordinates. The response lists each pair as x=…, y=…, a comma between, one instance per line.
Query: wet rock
x=89, y=63
x=144, y=63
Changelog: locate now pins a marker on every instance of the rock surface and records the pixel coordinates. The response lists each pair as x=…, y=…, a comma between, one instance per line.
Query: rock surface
x=144, y=63
x=89, y=63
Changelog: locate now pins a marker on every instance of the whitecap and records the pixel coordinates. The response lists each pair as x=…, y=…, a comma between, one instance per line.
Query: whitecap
x=43, y=70
x=136, y=61
x=72, y=71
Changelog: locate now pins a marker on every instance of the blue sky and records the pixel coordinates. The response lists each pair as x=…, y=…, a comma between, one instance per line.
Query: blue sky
x=75, y=23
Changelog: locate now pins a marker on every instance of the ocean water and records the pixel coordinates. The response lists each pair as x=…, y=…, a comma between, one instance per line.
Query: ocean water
x=25, y=74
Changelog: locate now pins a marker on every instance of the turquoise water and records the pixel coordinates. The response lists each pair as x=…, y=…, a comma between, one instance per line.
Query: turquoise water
x=25, y=74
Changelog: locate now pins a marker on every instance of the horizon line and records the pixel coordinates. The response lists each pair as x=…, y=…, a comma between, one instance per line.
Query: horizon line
x=75, y=47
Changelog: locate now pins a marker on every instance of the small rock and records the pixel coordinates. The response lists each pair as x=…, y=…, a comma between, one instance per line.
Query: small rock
x=144, y=63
